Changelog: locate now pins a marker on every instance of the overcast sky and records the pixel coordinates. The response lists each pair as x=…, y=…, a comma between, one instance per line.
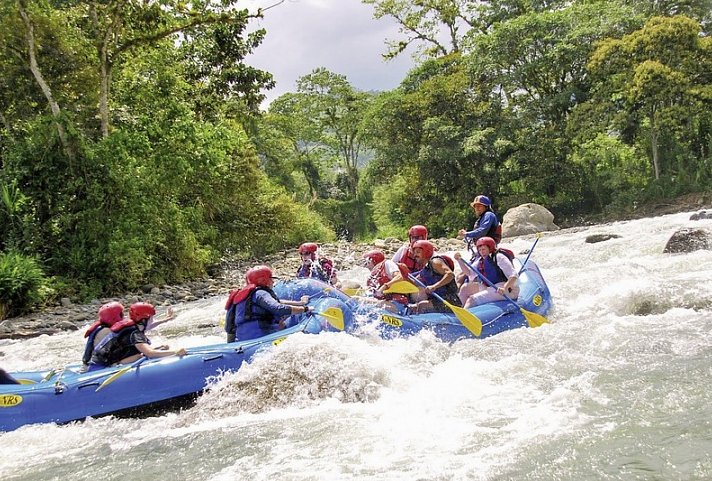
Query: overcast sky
x=340, y=35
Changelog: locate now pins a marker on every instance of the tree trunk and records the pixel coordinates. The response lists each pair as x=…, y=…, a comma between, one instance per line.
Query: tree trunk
x=104, y=91
x=46, y=90
x=654, y=144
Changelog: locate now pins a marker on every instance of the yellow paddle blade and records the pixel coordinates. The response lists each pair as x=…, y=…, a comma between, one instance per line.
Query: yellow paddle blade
x=120, y=373
x=468, y=319
x=401, y=287
x=113, y=377
x=26, y=381
x=352, y=291
x=334, y=315
x=534, y=319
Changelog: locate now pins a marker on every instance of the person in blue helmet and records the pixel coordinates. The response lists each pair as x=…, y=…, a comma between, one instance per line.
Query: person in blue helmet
x=486, y=225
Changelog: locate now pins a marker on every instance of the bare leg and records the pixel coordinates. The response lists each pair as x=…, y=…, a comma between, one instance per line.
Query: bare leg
x=468, y=290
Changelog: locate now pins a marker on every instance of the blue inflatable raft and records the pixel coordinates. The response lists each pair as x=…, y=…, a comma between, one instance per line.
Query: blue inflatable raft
x=534, y=302
x=68, y=395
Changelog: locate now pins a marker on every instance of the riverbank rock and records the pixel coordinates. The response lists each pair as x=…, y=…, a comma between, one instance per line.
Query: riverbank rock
x=527, y=219
x=595, y=238
x=689, y=240
x=705, y=214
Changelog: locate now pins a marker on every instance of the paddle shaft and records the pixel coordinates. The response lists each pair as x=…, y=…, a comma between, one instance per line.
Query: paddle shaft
x=529, y=254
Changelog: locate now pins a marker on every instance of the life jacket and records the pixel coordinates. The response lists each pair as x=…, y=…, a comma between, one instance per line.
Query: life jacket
x=495, y=231
x=239, y=318
x=106, y=349
x=378, y=276
x=322, y=269
x=91, y=335
x=409, y=261
x=489, y=268
x=428, y=276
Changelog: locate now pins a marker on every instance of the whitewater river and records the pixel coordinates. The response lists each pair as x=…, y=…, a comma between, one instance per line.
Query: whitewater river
x=617, y=387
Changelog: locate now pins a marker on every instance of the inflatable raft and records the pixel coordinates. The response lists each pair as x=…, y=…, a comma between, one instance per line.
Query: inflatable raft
x=65, y=395
x=533, y=303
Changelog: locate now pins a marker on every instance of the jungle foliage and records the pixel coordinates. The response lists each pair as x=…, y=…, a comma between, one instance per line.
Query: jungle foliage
x=133, y=148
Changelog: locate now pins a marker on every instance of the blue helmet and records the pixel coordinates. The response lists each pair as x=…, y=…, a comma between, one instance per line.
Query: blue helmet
x=482, y=200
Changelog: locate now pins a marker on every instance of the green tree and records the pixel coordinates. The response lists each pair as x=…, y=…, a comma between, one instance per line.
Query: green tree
x=338, y=111
x=656, y=78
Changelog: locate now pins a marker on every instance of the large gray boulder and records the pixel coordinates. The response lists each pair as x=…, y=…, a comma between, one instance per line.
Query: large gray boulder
x=527, y=219
x=689, y=240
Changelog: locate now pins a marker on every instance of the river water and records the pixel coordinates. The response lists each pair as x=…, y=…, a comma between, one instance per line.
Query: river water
x=617, y=387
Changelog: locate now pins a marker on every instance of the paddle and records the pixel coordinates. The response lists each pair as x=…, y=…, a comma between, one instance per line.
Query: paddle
x=333, y=315
x=120, y=373
x=538, y=235
x=534, y=319
x=401, y=287
x=468, y=319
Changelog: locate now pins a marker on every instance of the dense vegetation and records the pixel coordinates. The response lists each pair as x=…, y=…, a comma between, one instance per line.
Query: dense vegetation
x=132, y=148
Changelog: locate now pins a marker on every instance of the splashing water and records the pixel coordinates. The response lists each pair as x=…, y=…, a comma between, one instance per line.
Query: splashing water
x=615, y=388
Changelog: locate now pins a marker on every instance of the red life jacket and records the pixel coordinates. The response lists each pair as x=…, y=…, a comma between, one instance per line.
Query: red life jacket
x=378, y=276
x=409, y=261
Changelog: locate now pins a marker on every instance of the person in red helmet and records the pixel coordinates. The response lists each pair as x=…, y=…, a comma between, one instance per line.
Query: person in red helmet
x=405, y=253
x=127, y=341
x=255, y=311
x=438, y=276
x=496, y=267
x=109, y=314
x=315, y=267
x=384, y=273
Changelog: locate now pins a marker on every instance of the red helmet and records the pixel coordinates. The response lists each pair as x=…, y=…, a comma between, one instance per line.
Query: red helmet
x=140, y=311
x=111, y=313
x=375, y=255
x=308, y=248
x=426, y=246
x=418, y=230
x=259, y=276
x=487, y=241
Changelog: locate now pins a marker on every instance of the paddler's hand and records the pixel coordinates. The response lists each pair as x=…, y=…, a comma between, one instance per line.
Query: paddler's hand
x=181, y=352
x=305, y=300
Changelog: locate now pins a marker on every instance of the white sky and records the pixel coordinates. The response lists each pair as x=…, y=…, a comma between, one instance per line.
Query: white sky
x=340, y=35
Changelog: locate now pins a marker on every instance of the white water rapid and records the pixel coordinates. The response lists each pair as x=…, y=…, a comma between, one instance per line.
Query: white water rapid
x=617, y=387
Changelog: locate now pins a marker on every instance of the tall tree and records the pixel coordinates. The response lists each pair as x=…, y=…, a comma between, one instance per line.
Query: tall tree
x=659, y=74
x=339, y=110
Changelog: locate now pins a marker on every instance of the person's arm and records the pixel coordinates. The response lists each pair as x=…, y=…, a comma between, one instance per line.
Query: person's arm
x=303, y=301
x=148, y=351
x=464, y=267
x=444, y=270
x=489, y=220
x=394, y=274
x=170, y=314
x=509, y=271
x=278, y=309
